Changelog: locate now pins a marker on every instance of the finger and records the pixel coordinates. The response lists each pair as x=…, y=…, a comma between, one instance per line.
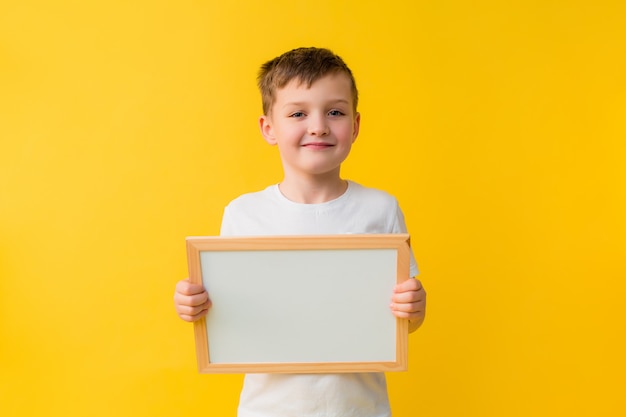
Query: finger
x=194, y=317
x=408, y=307
x=410, y=311
x=192, y=311
x=416, y=316
x=186, y=287
x=411, y=284
x=191, y=300
x=409, y=296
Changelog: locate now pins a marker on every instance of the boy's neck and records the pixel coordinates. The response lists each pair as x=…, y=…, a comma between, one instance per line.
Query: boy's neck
x=312, y=190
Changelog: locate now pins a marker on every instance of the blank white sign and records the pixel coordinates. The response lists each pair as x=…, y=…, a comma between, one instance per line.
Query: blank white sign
x=309, y=306
x=300, y=303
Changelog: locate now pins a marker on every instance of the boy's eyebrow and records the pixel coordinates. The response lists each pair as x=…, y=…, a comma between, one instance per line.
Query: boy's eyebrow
x=302, y=103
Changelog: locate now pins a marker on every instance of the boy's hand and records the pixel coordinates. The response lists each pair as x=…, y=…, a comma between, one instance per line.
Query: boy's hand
x=409, y=302
x=191, y=300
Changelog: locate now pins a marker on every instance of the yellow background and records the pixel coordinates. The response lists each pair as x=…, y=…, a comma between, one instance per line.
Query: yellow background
x=500, y=126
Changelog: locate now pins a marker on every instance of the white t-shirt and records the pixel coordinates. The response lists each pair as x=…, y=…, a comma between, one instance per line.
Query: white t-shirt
x=268, y=212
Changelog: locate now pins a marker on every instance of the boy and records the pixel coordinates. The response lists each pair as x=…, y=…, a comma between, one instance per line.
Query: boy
x=309, y=112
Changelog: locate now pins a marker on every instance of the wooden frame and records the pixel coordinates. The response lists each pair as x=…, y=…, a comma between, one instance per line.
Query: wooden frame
x=330, y=313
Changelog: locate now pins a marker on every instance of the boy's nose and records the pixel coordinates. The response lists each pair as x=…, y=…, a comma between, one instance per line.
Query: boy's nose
x=318, y=127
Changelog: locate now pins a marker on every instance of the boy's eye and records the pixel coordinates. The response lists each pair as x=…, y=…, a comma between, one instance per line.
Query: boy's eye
x=297, y=114
x=335, y=113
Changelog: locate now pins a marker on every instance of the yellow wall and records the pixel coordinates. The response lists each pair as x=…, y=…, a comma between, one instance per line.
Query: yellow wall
x=500, y=126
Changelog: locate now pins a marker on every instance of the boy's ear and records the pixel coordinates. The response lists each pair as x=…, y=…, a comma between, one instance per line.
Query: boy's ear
x=356, y=126
x=267, y=130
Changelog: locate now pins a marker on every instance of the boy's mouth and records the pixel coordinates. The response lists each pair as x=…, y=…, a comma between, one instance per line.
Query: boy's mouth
x=318, y=145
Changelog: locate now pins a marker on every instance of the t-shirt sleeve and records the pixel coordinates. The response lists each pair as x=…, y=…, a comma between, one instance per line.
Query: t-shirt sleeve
x=400, y=227
x=227, y=226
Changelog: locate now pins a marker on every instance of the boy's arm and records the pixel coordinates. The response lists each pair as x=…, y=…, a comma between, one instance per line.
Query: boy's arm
x=409, y=302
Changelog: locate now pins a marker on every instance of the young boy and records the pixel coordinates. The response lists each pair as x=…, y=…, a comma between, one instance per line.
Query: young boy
x=309, y=112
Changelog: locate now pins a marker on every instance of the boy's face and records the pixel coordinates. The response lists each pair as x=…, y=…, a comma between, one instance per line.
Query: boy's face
x=314, y=127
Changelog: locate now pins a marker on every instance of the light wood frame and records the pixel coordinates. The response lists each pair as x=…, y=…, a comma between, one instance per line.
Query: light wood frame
x=345, y=253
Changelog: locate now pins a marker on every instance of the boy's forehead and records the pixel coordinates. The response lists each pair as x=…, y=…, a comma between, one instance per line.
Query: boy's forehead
x=335, y=85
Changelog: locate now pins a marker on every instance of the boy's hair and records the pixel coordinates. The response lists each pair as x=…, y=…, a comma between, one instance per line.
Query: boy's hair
x=305, y=65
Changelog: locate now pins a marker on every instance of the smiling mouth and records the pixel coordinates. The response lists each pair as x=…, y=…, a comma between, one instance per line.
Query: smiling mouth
x=318, y=145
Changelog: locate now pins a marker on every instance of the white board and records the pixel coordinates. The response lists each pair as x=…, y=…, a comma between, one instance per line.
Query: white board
x=300, y=304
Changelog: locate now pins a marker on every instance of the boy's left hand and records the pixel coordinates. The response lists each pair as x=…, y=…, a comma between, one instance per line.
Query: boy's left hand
x=409, y=302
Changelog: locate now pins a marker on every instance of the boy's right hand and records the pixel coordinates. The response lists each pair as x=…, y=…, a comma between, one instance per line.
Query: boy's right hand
x=191, y=300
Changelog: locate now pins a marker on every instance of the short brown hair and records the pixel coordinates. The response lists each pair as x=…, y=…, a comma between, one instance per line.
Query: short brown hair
x=304, y=64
